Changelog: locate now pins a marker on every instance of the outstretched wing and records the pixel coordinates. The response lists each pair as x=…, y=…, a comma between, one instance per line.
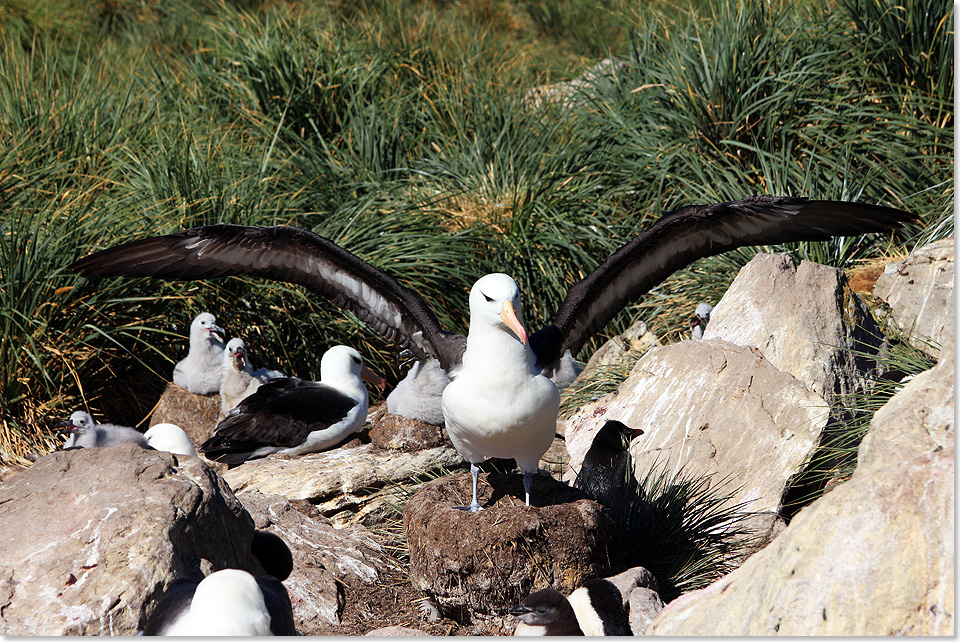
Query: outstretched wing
x=292, y=255
x=682, y=236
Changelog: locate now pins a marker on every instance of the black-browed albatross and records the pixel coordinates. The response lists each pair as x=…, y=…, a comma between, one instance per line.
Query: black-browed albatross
x=399, y=314
x=296, y=417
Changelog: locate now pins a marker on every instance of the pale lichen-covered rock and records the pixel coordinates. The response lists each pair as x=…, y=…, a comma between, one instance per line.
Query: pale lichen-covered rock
x=874, y=556
x=919, y=291
x=804, y=319
x=716, y=410
x=342, y=479
x=487, y=561
x=90, y=538
x=323, y=557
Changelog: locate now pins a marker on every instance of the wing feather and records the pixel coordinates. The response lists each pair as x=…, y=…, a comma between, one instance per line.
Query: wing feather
x=292, y=255
x=681, y=237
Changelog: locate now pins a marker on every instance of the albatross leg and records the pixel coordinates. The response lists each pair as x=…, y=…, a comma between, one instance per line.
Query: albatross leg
x=527, y=485
x=474, y=505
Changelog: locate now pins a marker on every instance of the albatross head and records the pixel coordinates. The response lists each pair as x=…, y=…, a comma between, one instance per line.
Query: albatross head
x=76, y=426
x=343, y=362
x=495, y=302
x=236, y=353
x=204, y=326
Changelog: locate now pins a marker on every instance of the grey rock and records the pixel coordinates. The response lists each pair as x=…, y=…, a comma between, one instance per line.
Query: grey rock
x=919, y=291
x=715, y=410
x=874, y=556
x=644, y=606
x=636, y=339
x=324, y=557
x=90, y=538
x=804, y=319
x=339, y=479
x=633, y=578
x=392, y=631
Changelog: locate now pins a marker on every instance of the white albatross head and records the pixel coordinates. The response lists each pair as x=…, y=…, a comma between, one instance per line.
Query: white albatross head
x=344, y=364
x=235, y=353
x=205, y=326
x=495, y=302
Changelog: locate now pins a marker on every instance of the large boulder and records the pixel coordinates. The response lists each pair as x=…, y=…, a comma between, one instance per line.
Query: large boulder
x=347, y=484
x=804, y=319
x=324, y=558
x=874, y=556
x=90, y=538
x=487, y=561
x=919, y=291
x=713, y=409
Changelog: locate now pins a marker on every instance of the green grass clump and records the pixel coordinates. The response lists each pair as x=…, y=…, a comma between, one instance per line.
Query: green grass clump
x=681, y=528
x=835, y=459
x=403, y=130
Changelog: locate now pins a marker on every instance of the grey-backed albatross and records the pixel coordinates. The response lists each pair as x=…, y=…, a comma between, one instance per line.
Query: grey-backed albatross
x=497, y=344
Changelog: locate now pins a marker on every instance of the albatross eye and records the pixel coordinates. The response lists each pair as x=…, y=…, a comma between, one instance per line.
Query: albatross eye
x=488, y=298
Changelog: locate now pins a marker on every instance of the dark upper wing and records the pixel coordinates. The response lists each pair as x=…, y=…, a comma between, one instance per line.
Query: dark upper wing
x=278, y=605
x=280, y=413
x=293, y=255
x=682, y=236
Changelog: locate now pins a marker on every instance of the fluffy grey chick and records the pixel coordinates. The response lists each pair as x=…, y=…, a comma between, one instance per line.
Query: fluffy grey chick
x=546, y=612
x=698, y=322
x=84, y=432
x=201, y=370
x=239, y=379
x=418, y=395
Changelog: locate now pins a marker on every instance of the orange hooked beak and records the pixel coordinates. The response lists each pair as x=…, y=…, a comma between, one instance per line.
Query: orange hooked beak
x=372, y=378
x=509, y=317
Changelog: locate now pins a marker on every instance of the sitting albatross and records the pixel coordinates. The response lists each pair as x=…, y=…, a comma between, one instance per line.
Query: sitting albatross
x=295, y=417
x=84, y=432
x=399, y=314
x=201, y=370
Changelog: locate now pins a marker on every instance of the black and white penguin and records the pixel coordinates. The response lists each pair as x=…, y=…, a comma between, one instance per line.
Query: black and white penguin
x=604, y=475
x=545, y=612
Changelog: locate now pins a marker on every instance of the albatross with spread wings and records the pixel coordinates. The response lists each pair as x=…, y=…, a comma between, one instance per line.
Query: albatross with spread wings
x=500, y=402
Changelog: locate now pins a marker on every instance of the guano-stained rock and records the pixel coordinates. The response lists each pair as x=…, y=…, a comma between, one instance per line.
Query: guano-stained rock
x=874, y=556
x=804, y=319
x=713, y=409
x=323, y=557
x=919, y=291
x=342, y=479
x=90, y=538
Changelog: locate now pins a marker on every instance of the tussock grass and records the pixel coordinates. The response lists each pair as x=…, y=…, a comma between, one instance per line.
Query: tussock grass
x=400, y=130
